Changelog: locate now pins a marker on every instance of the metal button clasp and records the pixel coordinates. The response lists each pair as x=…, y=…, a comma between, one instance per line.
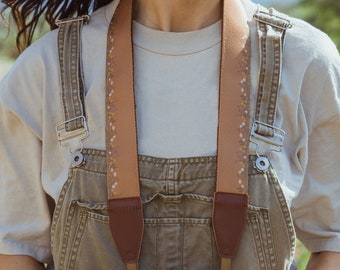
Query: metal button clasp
x=262, y=164
x=78, y=159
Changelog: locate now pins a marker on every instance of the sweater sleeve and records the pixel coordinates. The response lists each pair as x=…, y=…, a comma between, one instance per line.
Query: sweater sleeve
x=24, y=213
x=316, y=210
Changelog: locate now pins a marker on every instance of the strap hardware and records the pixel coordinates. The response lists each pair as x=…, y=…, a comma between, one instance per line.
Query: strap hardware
x=72, y=138
x=78, y=159
x=283, y=23
x=84, y=18
x=262, y=164
x=267, y=133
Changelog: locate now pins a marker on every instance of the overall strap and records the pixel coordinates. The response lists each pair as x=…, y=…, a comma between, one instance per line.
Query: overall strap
x=271, y=31
x=74, y=129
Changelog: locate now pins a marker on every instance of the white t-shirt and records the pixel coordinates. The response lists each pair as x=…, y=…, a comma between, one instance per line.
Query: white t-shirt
x=176, y=81
x=32, y=163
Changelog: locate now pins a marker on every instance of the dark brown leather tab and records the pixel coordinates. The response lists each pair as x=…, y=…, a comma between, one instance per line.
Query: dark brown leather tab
x=126, y=224
x=229, y=220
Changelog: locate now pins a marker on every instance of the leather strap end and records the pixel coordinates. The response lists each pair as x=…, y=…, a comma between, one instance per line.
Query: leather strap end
x=127, y=226
x=229, y=220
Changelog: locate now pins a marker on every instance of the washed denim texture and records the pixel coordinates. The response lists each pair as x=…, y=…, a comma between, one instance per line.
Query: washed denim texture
x=177, y=197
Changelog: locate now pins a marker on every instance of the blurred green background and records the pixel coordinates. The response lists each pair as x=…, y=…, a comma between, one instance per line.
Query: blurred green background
x=323, y=14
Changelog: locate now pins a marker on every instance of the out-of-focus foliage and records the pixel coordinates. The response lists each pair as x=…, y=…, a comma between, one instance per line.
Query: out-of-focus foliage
x=8, y=34
x=324, y=14
x=302, y=256
x=7, y=40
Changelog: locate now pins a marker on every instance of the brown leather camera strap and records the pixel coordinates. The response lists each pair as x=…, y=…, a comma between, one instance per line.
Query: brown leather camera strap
x=124, y=203
x=231, y=200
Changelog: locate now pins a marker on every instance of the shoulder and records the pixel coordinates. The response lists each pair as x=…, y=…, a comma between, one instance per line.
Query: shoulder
x=309, y=45
x=311, y=66
x=41, y=57
x=46, y=46
x=30, y=66
x=303, y=41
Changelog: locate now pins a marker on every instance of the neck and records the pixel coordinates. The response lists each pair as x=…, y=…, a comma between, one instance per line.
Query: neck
x=177, y=15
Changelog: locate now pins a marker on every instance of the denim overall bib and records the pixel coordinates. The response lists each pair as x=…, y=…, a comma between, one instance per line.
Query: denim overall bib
x=177, y=194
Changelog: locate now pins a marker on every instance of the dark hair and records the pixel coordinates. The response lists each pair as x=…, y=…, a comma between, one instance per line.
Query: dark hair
x=27, y=13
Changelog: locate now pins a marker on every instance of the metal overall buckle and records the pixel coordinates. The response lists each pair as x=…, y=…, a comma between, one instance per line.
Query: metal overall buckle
x=261, y=17
x=275, y=141
x=84, y=18
x=73, y=139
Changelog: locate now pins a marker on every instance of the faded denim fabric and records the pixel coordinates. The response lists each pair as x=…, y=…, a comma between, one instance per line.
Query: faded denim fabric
x=177, y=197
